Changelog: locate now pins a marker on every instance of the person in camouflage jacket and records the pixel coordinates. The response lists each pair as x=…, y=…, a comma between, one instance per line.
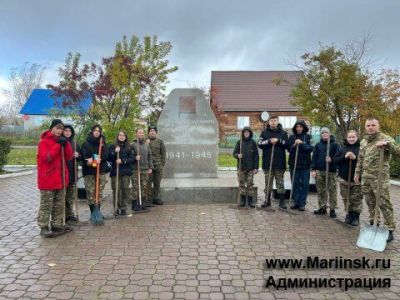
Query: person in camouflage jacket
x=158, y=152
x=368, y=168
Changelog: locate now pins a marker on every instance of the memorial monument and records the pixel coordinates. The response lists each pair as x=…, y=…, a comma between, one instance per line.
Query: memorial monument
x=190, y=132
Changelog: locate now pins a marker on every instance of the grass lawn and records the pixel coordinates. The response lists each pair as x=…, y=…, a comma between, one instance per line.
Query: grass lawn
x=226, y=160
x=21, y=157
x=28, y=157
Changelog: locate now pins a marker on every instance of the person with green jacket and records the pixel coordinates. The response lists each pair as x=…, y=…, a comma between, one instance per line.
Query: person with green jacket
x=158, y=152
x=368, y=168
x=143, y=164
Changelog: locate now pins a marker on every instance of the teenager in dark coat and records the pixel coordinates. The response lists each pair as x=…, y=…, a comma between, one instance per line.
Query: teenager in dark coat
x=300, y=183
x=349, y=153
x=274, y=137
x=122, y=148
x=90, y=158
x=69, y=134
x=318, y=166
x=247, y=153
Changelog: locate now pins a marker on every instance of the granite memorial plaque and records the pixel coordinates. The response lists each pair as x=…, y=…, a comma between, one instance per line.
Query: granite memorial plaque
x=190, y=131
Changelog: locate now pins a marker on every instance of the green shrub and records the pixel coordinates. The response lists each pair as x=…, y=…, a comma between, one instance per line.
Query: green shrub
x=5, y=148
x=395, y=166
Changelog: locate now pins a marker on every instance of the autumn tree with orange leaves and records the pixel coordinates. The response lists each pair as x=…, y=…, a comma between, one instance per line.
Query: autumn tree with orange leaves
x=337, y=90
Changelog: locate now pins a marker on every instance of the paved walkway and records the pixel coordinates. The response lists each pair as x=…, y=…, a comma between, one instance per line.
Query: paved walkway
x=176, y=252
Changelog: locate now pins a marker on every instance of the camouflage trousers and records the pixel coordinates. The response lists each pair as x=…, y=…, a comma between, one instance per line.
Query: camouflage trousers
x=278, y=175
x=51, y=209
x=369, y=189
x=123, y=190
x=246, y=183
x=356, y=196
x=154, y=183
x=144, y=177
x=69, y=201
x=90, y=187
x=321, y=189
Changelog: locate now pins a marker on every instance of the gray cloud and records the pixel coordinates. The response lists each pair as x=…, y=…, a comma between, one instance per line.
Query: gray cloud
x=206, y=35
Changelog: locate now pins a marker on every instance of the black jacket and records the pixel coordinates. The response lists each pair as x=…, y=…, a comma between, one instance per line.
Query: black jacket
x=343, y=163
x=71, y=163
x=305, y=149
x=319, y=154
x=249, y=149
x=126, y=155
x=279, y=162
x=91, y=147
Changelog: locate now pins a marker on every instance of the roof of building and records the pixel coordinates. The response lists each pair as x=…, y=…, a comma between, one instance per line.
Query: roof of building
x=253, y=90
x=41, y=102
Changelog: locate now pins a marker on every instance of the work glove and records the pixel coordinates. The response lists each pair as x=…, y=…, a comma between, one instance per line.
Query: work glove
x=62, y=141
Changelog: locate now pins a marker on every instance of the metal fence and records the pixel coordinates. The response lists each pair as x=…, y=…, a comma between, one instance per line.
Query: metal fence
x=18, y=132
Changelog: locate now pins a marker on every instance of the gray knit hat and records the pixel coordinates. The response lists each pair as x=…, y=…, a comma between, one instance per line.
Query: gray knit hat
x=325, y=130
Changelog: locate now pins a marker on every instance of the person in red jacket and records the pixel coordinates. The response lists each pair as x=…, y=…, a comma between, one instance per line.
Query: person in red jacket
x=50, y=179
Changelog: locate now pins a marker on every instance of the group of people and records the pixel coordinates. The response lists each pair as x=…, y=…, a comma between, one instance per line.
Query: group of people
x=57, y=159
x=138, y=166
x=355, y=165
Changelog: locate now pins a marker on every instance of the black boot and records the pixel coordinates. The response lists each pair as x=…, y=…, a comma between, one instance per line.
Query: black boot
x=250, y=201
x=157, y=202
x=295, y=206
x=372, y=223
x=45, y=232
x=134, y=205
x=242, y=200
x=91, y=207
x=332, y=213
x=282, y=201
x=267, y=201
x=356, y=219
x=390, y=237
x=349, y=217
x=320, y=211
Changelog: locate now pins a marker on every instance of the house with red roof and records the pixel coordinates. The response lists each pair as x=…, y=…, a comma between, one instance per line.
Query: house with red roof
x=246, y=98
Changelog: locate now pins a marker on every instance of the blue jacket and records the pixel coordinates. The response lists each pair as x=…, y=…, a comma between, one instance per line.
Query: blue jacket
x=305, y=149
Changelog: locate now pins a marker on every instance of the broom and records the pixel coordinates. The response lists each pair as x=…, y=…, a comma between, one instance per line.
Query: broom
x=97, y=218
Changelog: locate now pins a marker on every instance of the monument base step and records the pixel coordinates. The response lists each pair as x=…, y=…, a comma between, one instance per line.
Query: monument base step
x=223, y=189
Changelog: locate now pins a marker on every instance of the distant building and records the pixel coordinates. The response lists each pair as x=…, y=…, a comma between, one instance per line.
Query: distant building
x=244, y=95
x=40, y=105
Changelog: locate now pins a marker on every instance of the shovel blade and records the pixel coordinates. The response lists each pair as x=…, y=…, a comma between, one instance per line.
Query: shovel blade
x=373, y=237
x=97, y=217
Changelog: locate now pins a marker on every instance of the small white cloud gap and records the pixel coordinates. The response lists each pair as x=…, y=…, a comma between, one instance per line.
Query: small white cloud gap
x=4, y=85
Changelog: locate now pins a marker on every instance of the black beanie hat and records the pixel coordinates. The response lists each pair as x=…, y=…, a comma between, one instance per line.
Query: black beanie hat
x=152, y=127
x=97, y=125
x=55, y=122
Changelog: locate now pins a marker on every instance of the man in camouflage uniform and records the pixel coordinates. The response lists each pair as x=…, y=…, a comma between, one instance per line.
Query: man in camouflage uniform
x=158, y=152
x=367, y=171
x=143, y=157
x=246, y=152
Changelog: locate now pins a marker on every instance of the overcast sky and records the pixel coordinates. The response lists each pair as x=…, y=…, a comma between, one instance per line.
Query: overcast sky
x=206, y=35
